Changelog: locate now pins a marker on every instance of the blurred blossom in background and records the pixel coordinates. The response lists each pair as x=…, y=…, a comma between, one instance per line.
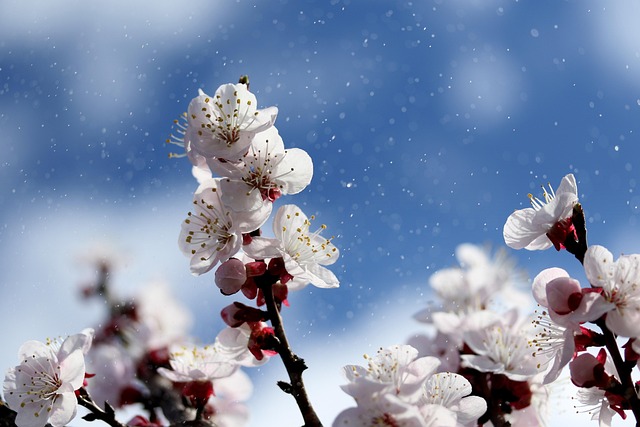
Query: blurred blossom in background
x=428, y=123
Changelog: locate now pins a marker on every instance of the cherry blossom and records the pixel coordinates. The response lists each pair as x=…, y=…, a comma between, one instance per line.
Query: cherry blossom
x=226, y=408
x=304, y=253
x=389, y=410
x=223, y=126
x=197, y=364
x=234, y=344
x=547, y=222
x=395, y=370
x=264, y=173
x=452, y=391
x=41, y=389
x=479, y=279
x=501, y=348
x=569, y=304
x=620, y=283
x=212, y=233
x=114, y=370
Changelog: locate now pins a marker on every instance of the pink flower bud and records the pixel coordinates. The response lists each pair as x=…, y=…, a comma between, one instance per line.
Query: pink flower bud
x=588, y=371
x=237, y=313
x=230, y=276
x=564, y=295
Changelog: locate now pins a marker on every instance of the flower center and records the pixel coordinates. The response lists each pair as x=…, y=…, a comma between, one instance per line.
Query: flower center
x=212, y=226
x=548, y=196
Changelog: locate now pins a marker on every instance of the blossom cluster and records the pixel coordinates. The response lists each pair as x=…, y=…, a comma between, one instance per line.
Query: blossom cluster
x=486, y=357
x=398, y=388
x=569, y=311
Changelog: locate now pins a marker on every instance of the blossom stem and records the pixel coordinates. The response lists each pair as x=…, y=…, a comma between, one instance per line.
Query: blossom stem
x=293, y=364
x=624, y=370
x=107, y=415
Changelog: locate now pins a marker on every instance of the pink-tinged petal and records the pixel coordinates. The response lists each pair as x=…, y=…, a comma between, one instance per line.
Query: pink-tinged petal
x=470, y=409
x=561, y=207
x=263, y=248
x=230, y=276
x=34, y=414
x=481, y=363
x=591, y=308
x=72, y=369
x=322, y=277
x=568, y=185
x=625, y=321
x=518, y=231
x=239, y=196
x=422, y=367
x=226, y=168
x=627, y=273
x=80, y=341
x=34, y=349
x=562, y=357
x=65, y=407
x=583, y=370
x=288, y=217
x=599, y=266
x=539, y=287
x=539, y=243
x=294, y=172
x=237, y=386
x=252, y=220
x=564, y=295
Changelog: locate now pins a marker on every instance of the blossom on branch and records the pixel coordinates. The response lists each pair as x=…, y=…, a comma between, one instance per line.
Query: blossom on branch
x=223, y=125
x=264, y=173
x=212, y=233
x=620, y=284
x=547, y=222
x=304, y=253
x=399, y=389
x=41, y=389
x=501, y=348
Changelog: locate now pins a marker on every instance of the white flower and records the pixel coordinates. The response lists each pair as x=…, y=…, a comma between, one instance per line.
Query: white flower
x=502, y=349
x=478, y=280
x=389, y=410
x=41, y=389
x=595, y=400
x=620, y=281
x=528, y=228
x=166, y=319
x=452, y=392
x=554, y=344
x=568, y=303
x=197, y=364
x=396, y=370
x=223, y=126
x=304, y=253
x=233, y=342
x=114, y=369
x=226, y=409
x=390, y=391
x=212, y=233
x=264, y=173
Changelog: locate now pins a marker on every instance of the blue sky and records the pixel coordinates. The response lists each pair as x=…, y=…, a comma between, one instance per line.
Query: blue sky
x=428, y=123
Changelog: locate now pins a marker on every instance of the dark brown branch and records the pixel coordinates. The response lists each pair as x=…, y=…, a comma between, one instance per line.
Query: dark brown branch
x=107, y=415
x=293, y=364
